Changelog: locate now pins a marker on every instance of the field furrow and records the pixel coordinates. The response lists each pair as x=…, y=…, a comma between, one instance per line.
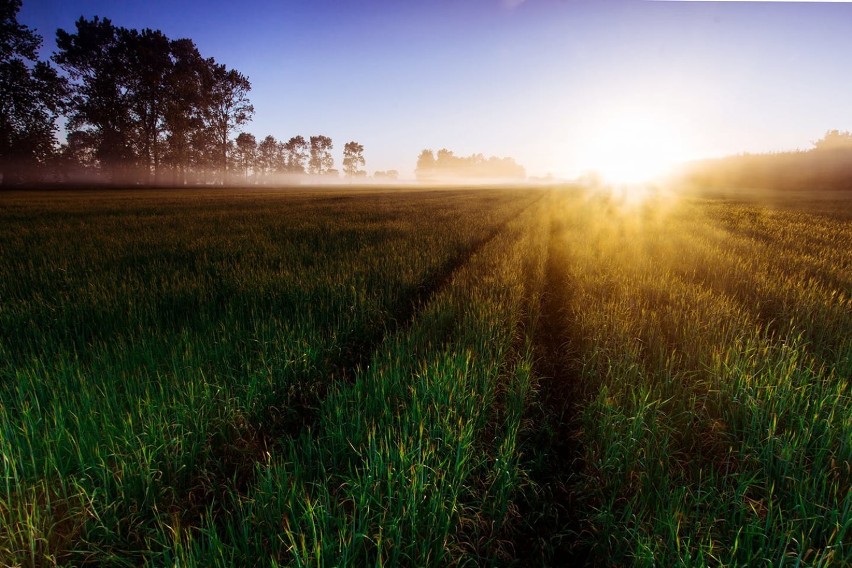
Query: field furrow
x=531, y=376
x=221, y=338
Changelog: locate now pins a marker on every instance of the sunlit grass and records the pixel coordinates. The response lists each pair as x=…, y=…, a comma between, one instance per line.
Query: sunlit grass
x=356, y=378
x=718, y=427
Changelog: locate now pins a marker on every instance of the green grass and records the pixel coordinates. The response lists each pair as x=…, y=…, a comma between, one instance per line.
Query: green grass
x=156, y=347
x=415, y=462
x=717, y=427
x=428, y=378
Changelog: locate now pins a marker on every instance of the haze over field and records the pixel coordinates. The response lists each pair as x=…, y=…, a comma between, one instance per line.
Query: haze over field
x=623, y=87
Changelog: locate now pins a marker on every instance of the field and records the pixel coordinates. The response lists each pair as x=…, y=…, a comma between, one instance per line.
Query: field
x=424, y=378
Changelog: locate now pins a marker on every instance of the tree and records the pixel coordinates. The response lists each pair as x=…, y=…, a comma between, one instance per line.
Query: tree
x=353, y=157
x=31, y=97
x=246, y=150
x=187, y=143
x=95, y=60
x=388, y=175
x=268, y=156
x=425, y=165
x=148, y=55
x=227, y=107
x=295, y=152
x=834, y=140
x=320, y=161
x=448, y=165
x=445, y=160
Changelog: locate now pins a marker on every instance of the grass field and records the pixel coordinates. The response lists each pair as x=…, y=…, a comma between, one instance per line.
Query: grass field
x=424, y=378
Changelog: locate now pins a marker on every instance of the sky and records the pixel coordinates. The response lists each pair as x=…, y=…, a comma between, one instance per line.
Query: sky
x=562, y=86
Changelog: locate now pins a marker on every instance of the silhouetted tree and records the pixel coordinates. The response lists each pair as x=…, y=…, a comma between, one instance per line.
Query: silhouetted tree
x=227, y=107
x=148, y=56
x=187, y=142
x=320, y=158
x=353, y=158
x=246, y=150
x=77, y=155
x=268, y=157
x=446, y=163
x=826, y=167
x=31, y=98
x=295, y=152
x=95, y=60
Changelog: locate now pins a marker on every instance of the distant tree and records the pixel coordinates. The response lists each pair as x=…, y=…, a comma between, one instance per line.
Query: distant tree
x=388, y=175
x=31, y=98
x=834, y=140
x=353, y=158
x=295, y=153
x=320, y=155
x=425, y=165
x=449, y=166
x=268, y=157
x=246, y=152
x=226, y=108
x=445, y=160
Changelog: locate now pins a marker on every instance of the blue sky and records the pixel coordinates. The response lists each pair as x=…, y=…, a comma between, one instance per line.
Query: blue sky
x=549, y=82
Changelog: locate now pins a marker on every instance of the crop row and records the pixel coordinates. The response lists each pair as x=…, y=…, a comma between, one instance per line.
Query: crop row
x=716, y=423
x=154, y=350
x=415, y=462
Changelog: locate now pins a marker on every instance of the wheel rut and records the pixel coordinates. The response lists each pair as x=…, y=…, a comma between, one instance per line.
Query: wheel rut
x=253, y=443
x=551, y=536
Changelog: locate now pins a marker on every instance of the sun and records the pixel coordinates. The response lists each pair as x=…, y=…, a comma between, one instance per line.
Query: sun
x=633, y=147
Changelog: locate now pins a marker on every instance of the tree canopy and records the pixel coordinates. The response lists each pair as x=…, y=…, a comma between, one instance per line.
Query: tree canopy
x=353, y=159
x=32, y=95
x=446, y=165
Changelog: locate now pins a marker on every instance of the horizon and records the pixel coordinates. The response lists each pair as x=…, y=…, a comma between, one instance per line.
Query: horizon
x=575, y=86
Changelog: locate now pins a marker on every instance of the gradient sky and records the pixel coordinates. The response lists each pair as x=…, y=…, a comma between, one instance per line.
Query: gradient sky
x=538, y=80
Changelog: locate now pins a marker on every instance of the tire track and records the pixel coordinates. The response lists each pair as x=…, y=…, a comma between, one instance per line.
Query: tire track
x=252, y=443
x=551, y=534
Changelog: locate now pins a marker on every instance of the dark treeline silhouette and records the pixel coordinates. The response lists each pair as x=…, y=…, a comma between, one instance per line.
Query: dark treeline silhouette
x=32, y=96
x=271, y=161
x=447, y=166
x=143, y=109
x=140, y=109
x=146, y=108
x=827, y=166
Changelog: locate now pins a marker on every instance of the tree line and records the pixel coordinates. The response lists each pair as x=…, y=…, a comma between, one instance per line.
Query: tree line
x=826, y=166
x=445, y=164
x=267, y=160
x=139, y=108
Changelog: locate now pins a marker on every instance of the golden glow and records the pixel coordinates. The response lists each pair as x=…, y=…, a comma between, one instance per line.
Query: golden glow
x=632, y=147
